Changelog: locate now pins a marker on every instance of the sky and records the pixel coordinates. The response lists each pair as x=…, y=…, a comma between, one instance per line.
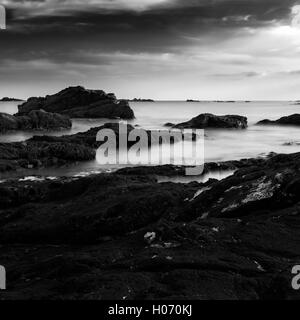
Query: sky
x=158, y=49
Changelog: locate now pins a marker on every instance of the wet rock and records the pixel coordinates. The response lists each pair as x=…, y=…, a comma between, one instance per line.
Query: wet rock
x=252, y=190
x=42, y=120
x=8, y=122
x=7, y=99
x=34, y=154
x=78, y=102
x=55, y=151
x=35, y=120
x=180, y=171
x=289, y=120
x=114, y=236
x=208, y=120
x=169, y=124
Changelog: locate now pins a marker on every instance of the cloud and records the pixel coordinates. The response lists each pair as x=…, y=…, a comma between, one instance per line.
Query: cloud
x=222, y=40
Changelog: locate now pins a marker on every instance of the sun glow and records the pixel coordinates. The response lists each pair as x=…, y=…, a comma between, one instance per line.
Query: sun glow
x=291, y=30
x=296, y=16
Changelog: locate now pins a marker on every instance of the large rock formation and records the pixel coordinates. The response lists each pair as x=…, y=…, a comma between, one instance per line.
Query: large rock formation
x=34, y=120
x=208, y=120
x=293, y=119
x=112, y=236
x=78, y=102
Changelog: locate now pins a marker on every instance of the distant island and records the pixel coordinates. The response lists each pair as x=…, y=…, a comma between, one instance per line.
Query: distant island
x=141, y=100
x=190, y=100
x=6, y=99
x=225, y=101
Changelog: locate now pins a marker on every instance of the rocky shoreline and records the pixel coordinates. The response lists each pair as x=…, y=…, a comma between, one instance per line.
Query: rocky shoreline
x=125, y=236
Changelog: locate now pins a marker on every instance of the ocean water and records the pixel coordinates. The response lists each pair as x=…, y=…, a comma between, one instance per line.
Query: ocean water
x=220, y=144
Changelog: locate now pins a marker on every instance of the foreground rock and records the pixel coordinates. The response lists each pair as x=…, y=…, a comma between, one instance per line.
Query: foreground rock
x=128, y=237
x=208, y=120
x=35, y=120
x=289, y=120
x=78, y=102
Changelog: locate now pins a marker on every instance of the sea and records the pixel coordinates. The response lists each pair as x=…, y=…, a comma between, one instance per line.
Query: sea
x=219, y=144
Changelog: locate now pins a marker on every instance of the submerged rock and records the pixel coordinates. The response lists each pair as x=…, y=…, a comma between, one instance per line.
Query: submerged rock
x=208, y=120
x=289, y=120
x=78, y=102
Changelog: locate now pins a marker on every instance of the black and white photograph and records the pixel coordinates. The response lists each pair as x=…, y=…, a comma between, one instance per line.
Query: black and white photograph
x=149, y=151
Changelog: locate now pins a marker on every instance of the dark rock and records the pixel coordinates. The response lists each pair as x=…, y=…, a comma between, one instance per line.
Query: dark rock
x=142, y=100
x=254, y=190
x=180, y=171
x=8, y=122
x=207, y=120
x=35, y=120
x=42, y=120
x=78, y=102
x=78, y=147
x=89, y=137
x=34, y=153
x=291, y=143
x=6, y=99
x=289, y=120
x=169, y=124
x=85, y=238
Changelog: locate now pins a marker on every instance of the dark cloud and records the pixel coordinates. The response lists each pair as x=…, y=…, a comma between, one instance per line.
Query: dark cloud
x=99, y=33
x=57, y=29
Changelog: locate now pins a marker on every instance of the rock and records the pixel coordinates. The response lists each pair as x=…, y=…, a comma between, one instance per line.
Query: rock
x=8, y=122
x=42, y=120
x=291, y=143
x=33, y=154
x=207, y=120
x=89, y=137
x=253, y=190
x=180, y=171
x=142, y=100
x=78, y=102
x=111, y=236
x=70, y=148
x=289, y=120
x=35, y=120
x=6, y=99
x=169, y=124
